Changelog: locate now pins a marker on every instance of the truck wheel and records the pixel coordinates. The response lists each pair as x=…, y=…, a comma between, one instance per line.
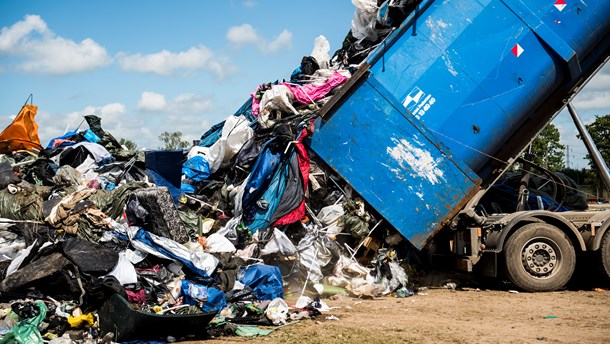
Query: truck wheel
x=604, y=254
x=539, y=257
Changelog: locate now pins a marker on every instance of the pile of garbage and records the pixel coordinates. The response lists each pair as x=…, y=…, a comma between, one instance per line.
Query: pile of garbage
x=102, y=244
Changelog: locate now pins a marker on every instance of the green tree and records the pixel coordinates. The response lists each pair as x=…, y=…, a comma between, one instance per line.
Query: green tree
x=173, y=140
x=130, y=145
x=600, y=133
x=546, y=149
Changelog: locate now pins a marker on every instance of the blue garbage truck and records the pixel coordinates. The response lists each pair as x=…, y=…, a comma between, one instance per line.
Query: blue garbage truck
x=445, y=105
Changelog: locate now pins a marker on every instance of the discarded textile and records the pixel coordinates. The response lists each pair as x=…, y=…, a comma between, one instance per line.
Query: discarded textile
x=307, y=94
x=22, y=133
x=166, y=163
x=153, y=209
x=90, y=257
x=265, y=281
x=199, y=263
x=208, y=298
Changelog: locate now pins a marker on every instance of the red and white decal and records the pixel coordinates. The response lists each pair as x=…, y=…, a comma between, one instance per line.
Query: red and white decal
x=560, y=5
x=517, y=50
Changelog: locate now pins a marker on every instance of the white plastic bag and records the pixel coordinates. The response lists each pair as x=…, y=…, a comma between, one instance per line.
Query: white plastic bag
x=124, y=271
x=320, y=52
x=277, y=311
x=278, y=98
x=329, y=217
x=235, y=132
x=217, y=243
x=279, y=243
x=363, y=21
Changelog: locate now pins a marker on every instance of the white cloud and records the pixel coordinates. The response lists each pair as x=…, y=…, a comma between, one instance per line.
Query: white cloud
x=601, y=81
x=592, y=100
x=46, y=53
x=188, y=113
x=12, y=37
x=181, y=105
x=168, y=63
x=282, y=41
x=189, y=103
x=245, y=34
x=151, y=101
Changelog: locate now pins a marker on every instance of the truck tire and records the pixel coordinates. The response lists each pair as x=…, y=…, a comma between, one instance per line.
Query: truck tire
x=539, y=257
x=604, y=255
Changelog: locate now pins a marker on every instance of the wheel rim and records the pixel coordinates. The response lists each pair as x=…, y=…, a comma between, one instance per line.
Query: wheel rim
x=541, y=257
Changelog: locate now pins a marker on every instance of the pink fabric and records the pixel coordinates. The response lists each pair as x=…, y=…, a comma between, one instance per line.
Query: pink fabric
x=309, y=93
x=58, y=142
x=256, y=103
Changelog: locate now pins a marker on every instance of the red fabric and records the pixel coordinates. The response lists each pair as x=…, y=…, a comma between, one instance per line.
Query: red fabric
x=138, y=297
x=299, y=212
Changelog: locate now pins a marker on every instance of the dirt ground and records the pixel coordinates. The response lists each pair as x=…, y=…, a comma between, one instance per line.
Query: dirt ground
x=478, y=311
x=460, y=316
x=489, y=314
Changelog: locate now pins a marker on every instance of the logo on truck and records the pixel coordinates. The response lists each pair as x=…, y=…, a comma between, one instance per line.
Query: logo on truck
x=418, y=102
x=560, y=5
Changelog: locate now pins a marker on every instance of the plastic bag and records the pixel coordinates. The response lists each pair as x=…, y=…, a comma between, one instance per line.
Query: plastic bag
x=217, y=243
x=277, y=311
x=26, y=331
x=320, y=51
x=235, y=132
x=329, y=217
x=363, y=21
x=278, y=243
x=278, y=98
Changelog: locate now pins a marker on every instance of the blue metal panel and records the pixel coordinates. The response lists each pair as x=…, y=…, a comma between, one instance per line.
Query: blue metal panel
x=399, y=168
x=459, y=74
x=457, y=83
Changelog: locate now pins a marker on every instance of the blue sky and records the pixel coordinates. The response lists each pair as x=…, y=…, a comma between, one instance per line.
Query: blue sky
x=151, y=66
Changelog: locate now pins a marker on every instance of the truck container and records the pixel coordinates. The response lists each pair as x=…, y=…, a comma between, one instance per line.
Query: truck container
x=445, y=104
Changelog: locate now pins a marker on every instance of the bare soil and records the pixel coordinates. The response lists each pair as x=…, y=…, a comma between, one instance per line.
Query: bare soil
x=454, y=316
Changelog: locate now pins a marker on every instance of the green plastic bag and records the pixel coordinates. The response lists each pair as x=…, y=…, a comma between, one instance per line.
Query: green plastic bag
x=26, y=331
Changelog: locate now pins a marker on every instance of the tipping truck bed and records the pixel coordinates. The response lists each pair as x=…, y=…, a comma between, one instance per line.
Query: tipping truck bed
x=444, y=102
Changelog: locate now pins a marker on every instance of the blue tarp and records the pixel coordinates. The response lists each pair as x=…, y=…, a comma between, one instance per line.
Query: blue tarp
x=159, y=180
x=65, y=136
x=257, y=216
x=262, y=173
x=210, y=299
x=265, y=281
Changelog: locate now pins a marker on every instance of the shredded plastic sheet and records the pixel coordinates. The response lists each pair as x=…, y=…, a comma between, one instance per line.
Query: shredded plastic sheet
x=265, y=281
x=83, y=320
x=251, y=331
x=208, y=298
x=10, y=245
x=363, y=21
